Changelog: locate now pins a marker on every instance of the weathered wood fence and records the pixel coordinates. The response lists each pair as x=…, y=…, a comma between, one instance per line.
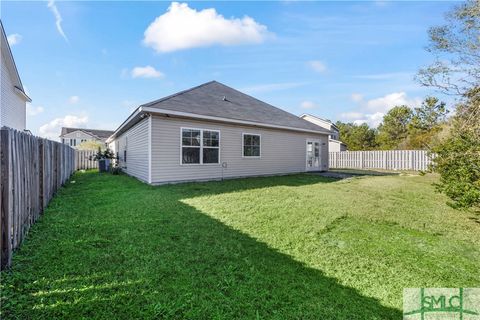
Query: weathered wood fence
x=32, y=170
x=414, y=160
x=83, y=160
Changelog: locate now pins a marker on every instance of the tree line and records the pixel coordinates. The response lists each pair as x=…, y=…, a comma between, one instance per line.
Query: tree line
x=402, y=127
x=455, y=71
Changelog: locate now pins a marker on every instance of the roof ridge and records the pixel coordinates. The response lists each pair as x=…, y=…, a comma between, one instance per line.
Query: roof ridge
x=176, y=94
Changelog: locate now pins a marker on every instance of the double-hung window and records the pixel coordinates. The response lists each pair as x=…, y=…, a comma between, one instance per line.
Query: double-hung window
x=251, y=145
x=200, y=146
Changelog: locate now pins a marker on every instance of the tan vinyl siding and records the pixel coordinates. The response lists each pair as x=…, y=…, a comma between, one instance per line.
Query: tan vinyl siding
x=282, y=151
x=136, y=142
x=13, y=107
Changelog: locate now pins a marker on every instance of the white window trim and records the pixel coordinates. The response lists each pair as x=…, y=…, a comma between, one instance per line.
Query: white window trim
x=243, y=145
x=313, y=140
x=200, y=147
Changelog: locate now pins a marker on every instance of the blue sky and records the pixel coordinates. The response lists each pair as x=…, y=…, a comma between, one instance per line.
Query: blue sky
x=89, y=64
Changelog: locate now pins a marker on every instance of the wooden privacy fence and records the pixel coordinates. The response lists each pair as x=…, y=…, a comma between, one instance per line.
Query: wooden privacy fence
x=415, y=160
x=32, y=170
x=83, y=160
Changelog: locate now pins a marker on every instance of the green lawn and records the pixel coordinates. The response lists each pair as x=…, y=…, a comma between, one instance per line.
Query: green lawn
x=302, y=246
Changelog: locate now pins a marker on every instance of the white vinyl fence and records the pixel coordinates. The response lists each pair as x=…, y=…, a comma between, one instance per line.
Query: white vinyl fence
x=83, y=160
x=414, y=160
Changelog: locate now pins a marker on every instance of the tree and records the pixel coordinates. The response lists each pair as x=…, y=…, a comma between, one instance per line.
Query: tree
x=456, y=46
x=456, y=70
x=91, y=145
x=427, y=121
x=458, y=157
x=430, y=114
x=357, y=137
x=393, y=131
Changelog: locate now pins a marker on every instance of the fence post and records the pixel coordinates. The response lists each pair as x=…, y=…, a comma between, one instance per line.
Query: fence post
x=6, y=241
x=41, y=162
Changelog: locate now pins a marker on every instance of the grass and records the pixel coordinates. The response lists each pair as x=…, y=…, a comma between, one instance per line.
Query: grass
x=301, y=246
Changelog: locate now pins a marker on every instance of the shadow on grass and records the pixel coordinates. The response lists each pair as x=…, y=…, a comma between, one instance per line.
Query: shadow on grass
x=142, y=253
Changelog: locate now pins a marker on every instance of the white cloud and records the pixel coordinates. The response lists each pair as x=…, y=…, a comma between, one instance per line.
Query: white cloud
x=385, y=103
x=182, y=27
x=146, y=72
x=372, y=119
x=317, y=66
x=356, y=97
x=273, y=87
x=372, y=111
x=52, y=129
x=14, y=39
x=351, y=115
x=74, y=99
x=33, y=111
x=308, y=105
x=58, y=18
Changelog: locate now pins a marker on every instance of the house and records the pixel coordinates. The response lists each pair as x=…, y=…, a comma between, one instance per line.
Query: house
x=13, y=102
x=75, y=136
x=334, y=143
x=212, y=132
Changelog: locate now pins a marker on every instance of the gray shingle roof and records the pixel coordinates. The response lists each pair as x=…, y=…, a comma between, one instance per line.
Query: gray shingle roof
x=218, y=100
x=101, y=134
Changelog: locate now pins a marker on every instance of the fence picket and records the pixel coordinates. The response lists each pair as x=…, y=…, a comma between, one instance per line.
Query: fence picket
x=83, y=160
x=32, y=169
x=413, y=160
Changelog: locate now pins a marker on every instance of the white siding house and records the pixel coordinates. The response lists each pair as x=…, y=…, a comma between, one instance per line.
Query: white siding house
x=75, y=136
x=133, y=150
x=212, y=132
x=334, y=143
x=13, y=98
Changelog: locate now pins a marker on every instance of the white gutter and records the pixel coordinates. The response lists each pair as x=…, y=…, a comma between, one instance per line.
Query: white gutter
x=212, y=118
x=23, y=94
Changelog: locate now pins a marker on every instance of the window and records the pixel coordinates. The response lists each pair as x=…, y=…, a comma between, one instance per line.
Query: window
x=251, y=145
x=211, y=145
x=125, y=156
x=200, y=146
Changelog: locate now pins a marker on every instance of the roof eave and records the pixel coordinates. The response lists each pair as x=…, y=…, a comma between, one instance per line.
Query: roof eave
x=326, y=121
x=228, y=120
x=141, y=110
x=10, y=60
x=23, y=94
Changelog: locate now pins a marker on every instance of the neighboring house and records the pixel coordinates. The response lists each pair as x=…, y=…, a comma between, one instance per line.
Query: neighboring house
x=334, y=143
x=75, y=136
x=13, y=102
x=213, y=131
